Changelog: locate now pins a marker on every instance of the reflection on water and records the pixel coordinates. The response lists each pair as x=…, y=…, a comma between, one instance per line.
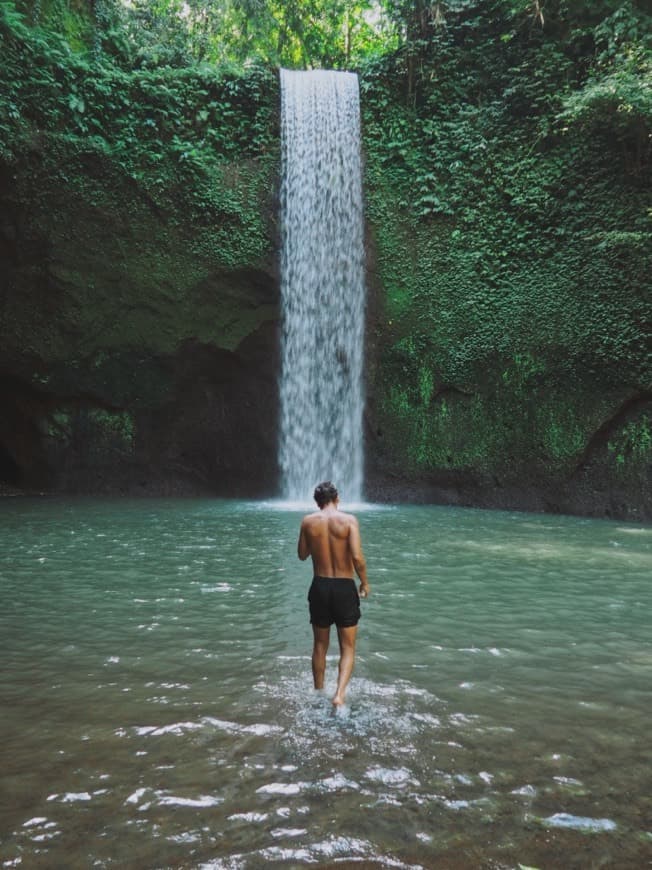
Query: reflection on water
x=157, y=709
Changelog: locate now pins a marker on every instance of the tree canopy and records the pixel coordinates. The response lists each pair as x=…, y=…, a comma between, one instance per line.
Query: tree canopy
x=326, y=33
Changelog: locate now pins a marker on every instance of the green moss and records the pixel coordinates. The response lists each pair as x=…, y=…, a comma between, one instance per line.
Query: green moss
x=158, y=179
x=564, y=434
x=115, y=428
x=507, y=199
x=631, y=447
x=514, y=269
x=59, y=426
x=91, y=431
x=140, y=264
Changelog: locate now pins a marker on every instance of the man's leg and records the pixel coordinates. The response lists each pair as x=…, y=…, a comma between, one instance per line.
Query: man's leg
x=346, y=636
x=321, y=637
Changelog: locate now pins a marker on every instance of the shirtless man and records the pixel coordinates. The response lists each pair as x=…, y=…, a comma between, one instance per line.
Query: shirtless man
x=332, y=538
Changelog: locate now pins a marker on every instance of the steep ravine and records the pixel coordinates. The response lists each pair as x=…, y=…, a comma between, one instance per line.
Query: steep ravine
x=131, y=359
x=139, y=329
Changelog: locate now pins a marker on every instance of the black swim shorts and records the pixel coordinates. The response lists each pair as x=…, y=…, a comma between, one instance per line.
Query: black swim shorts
x=333, y=600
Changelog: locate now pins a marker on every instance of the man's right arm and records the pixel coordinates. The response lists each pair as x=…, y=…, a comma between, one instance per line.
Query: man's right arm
x=357, y=557
x=303, y=549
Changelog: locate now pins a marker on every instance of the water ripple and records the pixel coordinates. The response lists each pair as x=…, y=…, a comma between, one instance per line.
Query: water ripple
x=502, y=683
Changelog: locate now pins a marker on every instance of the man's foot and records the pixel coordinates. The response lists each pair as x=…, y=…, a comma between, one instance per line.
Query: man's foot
x=338, y=700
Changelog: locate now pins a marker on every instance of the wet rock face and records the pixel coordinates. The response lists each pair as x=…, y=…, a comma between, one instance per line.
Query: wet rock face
x=609, y=474
x=208, y=426
x=133, y=358
x=212, y=430
x=537, y=413
x=218, y=427
x=139, y=354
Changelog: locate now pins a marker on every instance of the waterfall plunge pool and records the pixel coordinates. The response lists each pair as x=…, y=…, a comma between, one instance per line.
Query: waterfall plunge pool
x=157, y=708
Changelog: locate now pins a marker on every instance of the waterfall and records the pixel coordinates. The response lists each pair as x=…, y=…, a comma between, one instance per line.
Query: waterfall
x=322, y=284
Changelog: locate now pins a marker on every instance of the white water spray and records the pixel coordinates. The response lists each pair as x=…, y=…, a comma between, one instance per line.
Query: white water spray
x=322, y=284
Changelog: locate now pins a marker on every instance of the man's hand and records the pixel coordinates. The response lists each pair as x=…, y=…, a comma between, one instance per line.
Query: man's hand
x=365, y=589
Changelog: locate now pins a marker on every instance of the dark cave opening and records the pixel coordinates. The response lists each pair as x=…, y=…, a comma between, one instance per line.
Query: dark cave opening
x=10, y=471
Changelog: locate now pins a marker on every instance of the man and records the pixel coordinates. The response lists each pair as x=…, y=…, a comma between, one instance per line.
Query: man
x=332, y=538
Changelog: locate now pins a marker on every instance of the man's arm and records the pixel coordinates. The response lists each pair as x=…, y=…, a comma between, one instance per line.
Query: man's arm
x=303, y=549
x=358, y=559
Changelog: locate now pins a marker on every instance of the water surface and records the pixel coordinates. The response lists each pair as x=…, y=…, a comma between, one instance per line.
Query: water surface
x=157, y=708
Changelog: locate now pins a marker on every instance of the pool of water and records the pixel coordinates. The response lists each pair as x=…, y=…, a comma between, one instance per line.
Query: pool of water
x=156, y=707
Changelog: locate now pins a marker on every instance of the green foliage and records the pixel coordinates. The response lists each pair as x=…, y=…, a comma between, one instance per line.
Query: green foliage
x=182, y=33
x=105, y=430
x=117, y=426
x=617, y=105
x=632, y=446
x=222, y=111
x=507, y=160
x=509, y=207
x=173, y=132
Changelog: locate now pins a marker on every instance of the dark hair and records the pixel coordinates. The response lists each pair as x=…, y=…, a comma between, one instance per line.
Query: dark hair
x=325, y=493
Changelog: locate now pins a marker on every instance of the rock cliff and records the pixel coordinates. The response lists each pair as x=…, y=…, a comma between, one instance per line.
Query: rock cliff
x=138, y=352
x=508, y=275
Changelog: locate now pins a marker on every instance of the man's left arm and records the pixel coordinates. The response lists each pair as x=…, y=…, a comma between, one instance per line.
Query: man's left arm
x=358, y=559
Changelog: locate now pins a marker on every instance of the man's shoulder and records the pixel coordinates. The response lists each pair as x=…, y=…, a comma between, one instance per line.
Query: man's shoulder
x=349, y=519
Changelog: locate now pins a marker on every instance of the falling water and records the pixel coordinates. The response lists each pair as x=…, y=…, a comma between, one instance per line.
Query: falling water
x=322, y=284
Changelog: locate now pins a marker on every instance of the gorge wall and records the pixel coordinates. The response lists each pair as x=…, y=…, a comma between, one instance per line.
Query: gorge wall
x=138, y=282
x=133, y=357
x=511, y=255
x=508, y=273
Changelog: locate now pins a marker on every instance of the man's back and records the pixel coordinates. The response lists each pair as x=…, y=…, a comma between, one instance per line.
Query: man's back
x=331, y=538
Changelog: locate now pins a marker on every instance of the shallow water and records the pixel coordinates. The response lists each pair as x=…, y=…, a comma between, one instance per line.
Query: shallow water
x=157, y=710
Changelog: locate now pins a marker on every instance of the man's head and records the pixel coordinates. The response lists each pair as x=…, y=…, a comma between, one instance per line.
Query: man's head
x=325, y=493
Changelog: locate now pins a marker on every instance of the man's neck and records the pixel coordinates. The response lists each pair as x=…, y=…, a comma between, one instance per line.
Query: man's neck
x=329, y=508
